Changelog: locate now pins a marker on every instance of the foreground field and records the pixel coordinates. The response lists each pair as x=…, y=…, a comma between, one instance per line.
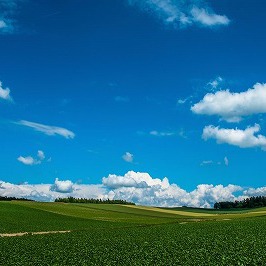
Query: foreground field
x=125, y=235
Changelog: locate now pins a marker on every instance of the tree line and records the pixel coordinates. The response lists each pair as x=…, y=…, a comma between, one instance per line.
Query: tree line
x=13, y=198
x=252, y=202
x=95, y=201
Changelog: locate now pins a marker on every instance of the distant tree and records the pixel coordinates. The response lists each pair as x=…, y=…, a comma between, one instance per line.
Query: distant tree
x=252, y=202
x=13, y=198
x=95, y=201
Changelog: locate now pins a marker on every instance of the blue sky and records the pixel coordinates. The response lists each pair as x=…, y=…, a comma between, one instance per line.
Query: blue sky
x=96, y=88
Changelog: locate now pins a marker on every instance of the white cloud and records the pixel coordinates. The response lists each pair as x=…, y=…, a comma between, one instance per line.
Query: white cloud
x=41, y=155
x=133, y=179
x=182, y=13
x=48, y=130
x=226, y=161
x=46, y=192
x=65, y=186
x=145, y=190
x=237, y=137
x=29, y=160
x=138, y=187
x=208, y=18
x=232, y=107
x=128, y=157
x=4, y=93
x=253, y=192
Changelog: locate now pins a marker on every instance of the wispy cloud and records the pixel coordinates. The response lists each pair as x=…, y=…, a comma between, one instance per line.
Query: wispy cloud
x=2, y=24
x=232, y=107
x=242, y=138
x=207, y=18
x=182, y=101
x=8, y=9
x=5, y=93
x=161, y=133
x=48, y=130
x=214, y=84
x=181, y=133
x=182, y=13
x=208, y=162
x=128, y=157
x=211, y=162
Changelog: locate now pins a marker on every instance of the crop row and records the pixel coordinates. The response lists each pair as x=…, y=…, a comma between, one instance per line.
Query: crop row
x=235, y=242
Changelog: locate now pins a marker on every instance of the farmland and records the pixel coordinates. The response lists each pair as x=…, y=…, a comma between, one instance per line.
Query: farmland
x=129, y=235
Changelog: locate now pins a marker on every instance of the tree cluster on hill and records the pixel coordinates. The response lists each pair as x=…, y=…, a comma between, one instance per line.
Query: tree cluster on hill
x=96, y=201
x=13, y=198
x=253, y=202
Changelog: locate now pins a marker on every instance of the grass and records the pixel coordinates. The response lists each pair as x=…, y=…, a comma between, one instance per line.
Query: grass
x=125, y=235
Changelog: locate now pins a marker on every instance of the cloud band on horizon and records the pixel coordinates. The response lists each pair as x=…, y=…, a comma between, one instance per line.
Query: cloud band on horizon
x=136, y=187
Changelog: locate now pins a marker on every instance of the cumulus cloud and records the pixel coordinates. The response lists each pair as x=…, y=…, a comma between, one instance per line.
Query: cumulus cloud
x=182, y=13
x=237, y=137
x=29, y=160
x=48, y=130
x=65, y=186
x=128, y=157
x=232, y=107
x=145, y=190
x=133, y=179
x=137, y=187
x=4, y=93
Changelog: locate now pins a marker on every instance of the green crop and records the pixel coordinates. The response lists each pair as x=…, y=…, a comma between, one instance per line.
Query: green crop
x=172, y=240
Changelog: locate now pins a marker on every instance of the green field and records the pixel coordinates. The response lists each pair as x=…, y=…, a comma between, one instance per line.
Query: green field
x=101, y=234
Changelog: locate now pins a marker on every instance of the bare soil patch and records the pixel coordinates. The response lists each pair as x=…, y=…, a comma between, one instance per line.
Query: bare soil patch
x=33, y=233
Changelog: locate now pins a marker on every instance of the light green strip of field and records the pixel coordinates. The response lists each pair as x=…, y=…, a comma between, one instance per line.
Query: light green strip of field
x=183, y=213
